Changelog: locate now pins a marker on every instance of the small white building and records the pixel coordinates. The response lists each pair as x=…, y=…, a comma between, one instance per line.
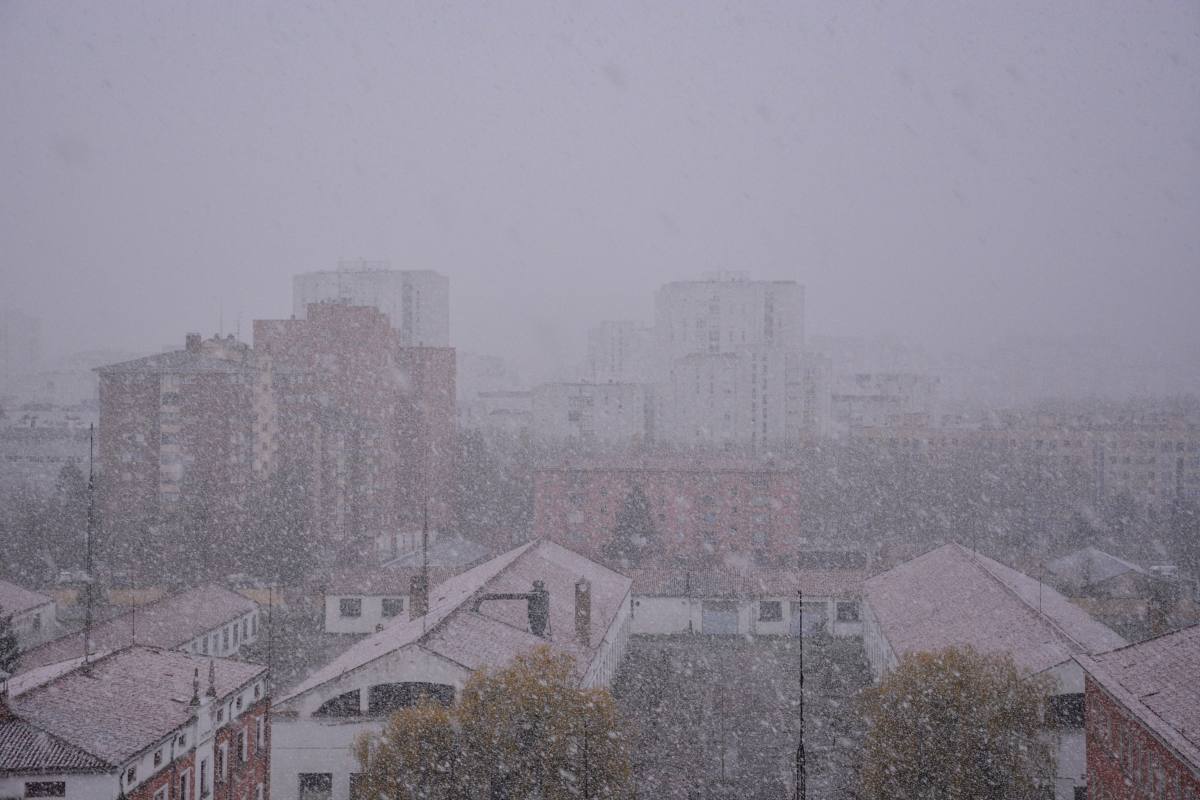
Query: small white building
x=207, y=620
x=953, y=597
x=364, y=600
x=316, y=722
x=34, y=615
x=751, y=603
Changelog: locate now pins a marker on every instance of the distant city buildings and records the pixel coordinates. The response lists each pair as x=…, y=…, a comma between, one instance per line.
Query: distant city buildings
x=593, y=414
x=416, y=302
x=703, y=511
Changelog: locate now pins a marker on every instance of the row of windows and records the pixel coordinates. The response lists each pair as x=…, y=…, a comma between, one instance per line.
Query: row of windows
x=351, y=607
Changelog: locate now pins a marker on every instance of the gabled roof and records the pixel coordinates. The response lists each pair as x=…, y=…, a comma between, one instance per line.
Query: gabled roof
x=1157, y=681
x=127, y=701
x=16, y=599
x=499, y=631
x=721, y=583
x=951, y=596
x=24, y=747
x=1089, y=566
x=172, y=621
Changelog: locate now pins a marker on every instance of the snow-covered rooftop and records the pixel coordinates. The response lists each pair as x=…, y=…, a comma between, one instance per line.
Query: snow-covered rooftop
x=952, y=596
x=499, y=631
x=1156, y=681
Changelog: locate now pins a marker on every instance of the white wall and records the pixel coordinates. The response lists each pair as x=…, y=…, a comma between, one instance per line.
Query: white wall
x=301, y=743
x=675, y=615
x=224, y=640
x=372, y=613
x=36, y=625
x=79, y=787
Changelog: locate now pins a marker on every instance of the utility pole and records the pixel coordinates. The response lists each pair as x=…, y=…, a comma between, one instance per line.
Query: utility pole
x=800, y=755
x=91, y=529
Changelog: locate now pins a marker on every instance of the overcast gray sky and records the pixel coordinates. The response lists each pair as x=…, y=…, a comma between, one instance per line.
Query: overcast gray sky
x=950, y=172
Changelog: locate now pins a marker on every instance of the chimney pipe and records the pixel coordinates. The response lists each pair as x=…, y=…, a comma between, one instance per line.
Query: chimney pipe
x=192, y=343
x=539, y=609
x=583, y=611
x=418, y=596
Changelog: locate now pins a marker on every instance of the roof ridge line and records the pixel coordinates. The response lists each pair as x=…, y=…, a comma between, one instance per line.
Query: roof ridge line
x=1054, y=626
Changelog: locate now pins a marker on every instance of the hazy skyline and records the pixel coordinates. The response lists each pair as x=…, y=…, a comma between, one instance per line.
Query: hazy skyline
x=950, y=173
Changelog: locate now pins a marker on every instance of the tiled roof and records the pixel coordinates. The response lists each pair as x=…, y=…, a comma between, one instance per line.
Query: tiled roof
x=1157, y=680
x=27, y=748
x=499, y=630
x=17, y=599
x=953, y=597
x=127, y=701
x=177, y=361
x=737, y=583
x=170, y=622
x=1090, y=565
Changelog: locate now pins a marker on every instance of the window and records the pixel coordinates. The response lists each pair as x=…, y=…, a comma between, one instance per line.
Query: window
x=161, y=794
x=181, y=742
x=847, y=611
x=45, y=788
x=316, y=786
x=225, y=638
x=254, y=625
x=350, y=607
x=185, y=783
x=204, y=777
x=222, y=757
x=131, y=775
x=344, y=705
x=770, y=611
x=243, y=745
x=258, y=792
x=220, y=715
x=1080, y=793
x=158, y=755
x=384, y=698
x=260, y=732
x=245, y=628
x=1065, y=711
x=239, y=702
x=392, y=606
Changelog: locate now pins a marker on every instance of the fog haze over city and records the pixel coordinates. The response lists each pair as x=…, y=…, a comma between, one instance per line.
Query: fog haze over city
x=952, y=176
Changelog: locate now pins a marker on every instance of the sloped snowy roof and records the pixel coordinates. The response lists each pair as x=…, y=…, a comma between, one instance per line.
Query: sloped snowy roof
x=746, y=583
x=178, y=361
x=16, y=599
x=499, y=631
x=27, y=748
x=1090, y=565
x=951, y=596
x=1157, y=681
x=170, y=622
x=127, y=701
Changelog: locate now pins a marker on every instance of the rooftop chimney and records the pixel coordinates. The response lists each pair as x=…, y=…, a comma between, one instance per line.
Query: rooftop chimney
x=539, y=609
x=191, y=343
x=418, y=596
x=583, y=612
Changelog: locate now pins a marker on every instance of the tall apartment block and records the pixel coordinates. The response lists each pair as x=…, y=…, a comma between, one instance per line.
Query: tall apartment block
x=174, y=423
x=730, y=364
x=365, y=422
x=415, y=302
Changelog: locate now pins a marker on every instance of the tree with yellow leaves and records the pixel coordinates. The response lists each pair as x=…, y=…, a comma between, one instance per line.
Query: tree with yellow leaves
x=522, y=731
x=957, y=725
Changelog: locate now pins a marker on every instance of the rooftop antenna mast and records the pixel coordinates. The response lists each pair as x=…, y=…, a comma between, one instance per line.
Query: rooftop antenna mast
x=801, y=756
x=90, y=534
x=425, y=557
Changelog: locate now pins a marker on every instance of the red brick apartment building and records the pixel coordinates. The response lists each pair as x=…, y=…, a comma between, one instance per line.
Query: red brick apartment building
x=141, y=723
x=701, y=510
x=332, y=402
x=1142, y=710
x=366, y=422
x=177, y=422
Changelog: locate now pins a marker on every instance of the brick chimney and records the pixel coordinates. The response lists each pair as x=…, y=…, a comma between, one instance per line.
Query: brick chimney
x=191, y=343
x=583, y=612
x=418, y=596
